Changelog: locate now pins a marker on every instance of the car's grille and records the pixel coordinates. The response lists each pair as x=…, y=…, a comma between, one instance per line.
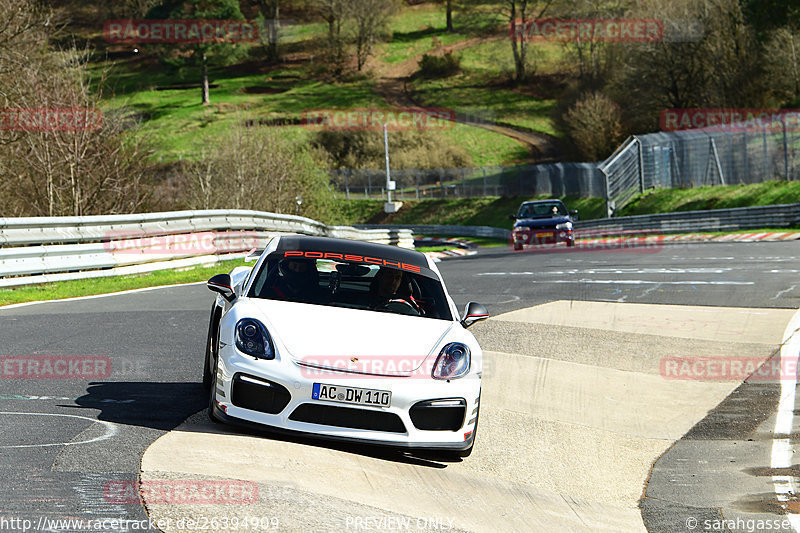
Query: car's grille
x=439, y=415
x=257, y=394
x=348, y=417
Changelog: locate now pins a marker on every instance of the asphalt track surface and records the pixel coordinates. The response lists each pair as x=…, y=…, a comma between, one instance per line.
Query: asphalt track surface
x=57, y=459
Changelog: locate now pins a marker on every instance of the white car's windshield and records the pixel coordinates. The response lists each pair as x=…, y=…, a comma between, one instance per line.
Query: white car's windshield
x=350, y=284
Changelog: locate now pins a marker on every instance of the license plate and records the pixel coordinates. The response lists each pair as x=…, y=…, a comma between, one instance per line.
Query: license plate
x=351, y=395
x=541, y=235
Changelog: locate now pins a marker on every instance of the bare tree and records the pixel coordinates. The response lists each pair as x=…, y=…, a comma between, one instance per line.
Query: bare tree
x=25, y=28
x=79, y=162
x=782, y=62
x=719, y=68
x=520, y=13
x=335, y=12
x=369, y=18
x=138, y=8
x=257, y=168
x=590, y=54
x=271, y=11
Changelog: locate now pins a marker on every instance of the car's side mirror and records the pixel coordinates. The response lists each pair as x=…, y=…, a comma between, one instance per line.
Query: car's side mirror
x=512, y=217
x=474, y=312
x=574, y=214
x=223, y=284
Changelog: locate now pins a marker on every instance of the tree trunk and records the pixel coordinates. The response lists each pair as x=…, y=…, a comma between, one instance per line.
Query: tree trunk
x=449, y=9
x=272, y=31
x=518, y=47
x=206, y=98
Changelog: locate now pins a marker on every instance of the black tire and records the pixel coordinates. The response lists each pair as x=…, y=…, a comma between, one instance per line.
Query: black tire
x=211, y=345
x=570, y=243
x=518, y=246
x=212, y=397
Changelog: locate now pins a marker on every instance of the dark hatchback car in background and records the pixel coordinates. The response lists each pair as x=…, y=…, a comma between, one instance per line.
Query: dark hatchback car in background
x=543, y=222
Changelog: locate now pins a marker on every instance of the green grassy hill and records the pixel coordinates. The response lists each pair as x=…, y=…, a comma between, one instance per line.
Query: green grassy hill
x=170, y=111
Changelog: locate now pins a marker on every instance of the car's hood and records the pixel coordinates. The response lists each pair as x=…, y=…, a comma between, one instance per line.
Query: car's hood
x=540, y=222
x=325, y=336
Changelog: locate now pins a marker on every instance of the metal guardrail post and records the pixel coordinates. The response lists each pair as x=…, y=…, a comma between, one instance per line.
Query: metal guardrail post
x=641, y=164
x=609, y=211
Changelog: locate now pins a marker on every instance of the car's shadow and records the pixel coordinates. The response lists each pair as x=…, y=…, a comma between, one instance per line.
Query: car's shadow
x=165, y=406
x=154, y=405
x=202, y=424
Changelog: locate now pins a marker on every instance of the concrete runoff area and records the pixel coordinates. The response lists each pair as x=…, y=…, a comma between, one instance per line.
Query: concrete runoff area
x=574, y=413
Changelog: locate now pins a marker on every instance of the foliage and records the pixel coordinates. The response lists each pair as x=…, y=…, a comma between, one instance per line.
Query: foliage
x=432, y=66
x=257, y=168
x=407, y=149
x=594, y=125
x=205, y=53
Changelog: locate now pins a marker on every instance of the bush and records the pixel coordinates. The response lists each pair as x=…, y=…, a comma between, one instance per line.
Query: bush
x=594, y=124
x=407, y=150
x=258, y=168
x=439, y=66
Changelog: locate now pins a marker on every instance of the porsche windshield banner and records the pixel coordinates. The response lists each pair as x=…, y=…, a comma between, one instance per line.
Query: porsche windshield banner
x=354, y=258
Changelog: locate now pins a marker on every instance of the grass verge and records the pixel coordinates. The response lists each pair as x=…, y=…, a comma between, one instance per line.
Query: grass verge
x=488, y=211
x=701, y=198
x=90, y=287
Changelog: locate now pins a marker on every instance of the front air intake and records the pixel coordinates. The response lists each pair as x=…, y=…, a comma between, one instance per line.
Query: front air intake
x=258, y=394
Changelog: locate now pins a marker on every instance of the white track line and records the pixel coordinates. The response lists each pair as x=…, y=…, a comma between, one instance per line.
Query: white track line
x=781, y=456
x=110, y=430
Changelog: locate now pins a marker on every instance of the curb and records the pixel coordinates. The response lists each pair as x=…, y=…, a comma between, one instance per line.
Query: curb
x=698, y=237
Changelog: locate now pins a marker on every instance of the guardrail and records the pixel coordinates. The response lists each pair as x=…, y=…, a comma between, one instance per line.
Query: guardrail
x=738, y=218
x=450, y=231
x=45, y=249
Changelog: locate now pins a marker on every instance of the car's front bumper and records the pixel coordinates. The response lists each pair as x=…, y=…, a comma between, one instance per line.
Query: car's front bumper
x=299, y=380
x=528, y=236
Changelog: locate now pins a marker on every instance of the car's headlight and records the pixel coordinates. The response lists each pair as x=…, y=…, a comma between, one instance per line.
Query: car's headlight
x=564, y=226
x=252, y=338
x=453, y=362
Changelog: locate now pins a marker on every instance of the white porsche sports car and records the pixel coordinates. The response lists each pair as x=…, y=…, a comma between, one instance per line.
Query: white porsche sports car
x=344, y=340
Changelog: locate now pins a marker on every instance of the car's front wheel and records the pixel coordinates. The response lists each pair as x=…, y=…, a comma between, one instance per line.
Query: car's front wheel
x=212, y=396
x=211, y=345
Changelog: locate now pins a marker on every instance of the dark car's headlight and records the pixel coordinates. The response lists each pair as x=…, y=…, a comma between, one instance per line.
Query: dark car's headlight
x=453, y=362
x=564, y=226
x=252, y=338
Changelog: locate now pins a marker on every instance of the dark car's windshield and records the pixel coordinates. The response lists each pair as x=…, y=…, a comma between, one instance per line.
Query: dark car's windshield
x=542, y=210
x=350, y=284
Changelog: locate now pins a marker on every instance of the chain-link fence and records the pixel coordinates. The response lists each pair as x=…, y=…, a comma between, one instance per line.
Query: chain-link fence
x=558, y=179
x=733, y=155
